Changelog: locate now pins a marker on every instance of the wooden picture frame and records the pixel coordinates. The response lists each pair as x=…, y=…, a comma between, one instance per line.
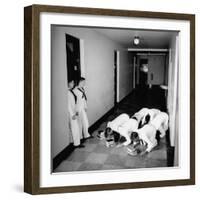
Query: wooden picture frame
x=32, y=97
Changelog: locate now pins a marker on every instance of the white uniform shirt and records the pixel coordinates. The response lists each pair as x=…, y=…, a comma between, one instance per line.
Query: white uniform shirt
x=72, y=108
x=81, y=102
x=141, y=114
x=152, y=113
x=118, y=121
x=129, y=126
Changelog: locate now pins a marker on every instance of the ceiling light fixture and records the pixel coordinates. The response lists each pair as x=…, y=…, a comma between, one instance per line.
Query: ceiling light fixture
x=136, y=40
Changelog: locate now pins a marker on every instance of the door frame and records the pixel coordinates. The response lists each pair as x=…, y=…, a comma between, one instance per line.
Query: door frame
x=82, y=58
x=116, y=77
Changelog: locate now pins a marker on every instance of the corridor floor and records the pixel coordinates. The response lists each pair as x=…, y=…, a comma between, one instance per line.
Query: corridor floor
x=96, y=156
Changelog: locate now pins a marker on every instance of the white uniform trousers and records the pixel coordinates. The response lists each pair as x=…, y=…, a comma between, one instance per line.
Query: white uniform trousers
x=82, y=115
x=160, y=122
x=73, y=124
x=74, y=128
x=148, y=134
x=83, y=124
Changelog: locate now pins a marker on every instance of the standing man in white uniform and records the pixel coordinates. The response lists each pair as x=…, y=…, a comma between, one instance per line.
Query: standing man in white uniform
x=82, y=108
x=73, y=115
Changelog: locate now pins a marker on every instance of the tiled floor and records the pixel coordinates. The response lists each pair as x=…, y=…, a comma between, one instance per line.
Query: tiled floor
x=96, y=156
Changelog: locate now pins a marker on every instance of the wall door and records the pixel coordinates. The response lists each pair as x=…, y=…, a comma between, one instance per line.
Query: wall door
x=143, y=73
x=134, y=72
x=156, y=67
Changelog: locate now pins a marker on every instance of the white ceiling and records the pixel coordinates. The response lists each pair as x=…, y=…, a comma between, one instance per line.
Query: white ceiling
x=148, y=38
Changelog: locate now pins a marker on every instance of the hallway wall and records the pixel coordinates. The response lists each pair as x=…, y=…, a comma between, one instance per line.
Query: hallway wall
x=125, y=74
x=59, y=136
x=99, y=74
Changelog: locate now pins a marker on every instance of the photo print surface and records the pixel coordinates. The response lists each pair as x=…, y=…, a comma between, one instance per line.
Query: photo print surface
x=114, y=98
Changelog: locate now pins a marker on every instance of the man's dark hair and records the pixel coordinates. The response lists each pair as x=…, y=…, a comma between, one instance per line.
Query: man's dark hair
x=116, y=136
x=70, y=80
x=80, y=79
x=108, y=131
x=140, y=124
x=134, y=136
x=147, y=119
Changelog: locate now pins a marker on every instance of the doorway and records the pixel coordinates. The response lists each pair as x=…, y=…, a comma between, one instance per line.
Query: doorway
x=73, y=58
x=143, y=73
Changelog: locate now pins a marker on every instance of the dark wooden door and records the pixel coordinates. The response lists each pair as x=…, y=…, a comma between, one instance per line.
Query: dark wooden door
x=73, y=58
x=143, y=80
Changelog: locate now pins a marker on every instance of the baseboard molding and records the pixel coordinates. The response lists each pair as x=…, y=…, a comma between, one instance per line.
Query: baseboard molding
x=70, y=148
x=96, y=125
x=170, y=156
x=62, y=155
x=93, y=127
x=124, y=99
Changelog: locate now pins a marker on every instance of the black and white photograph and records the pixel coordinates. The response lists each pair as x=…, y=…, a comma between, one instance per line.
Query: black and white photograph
x=114, y=98
x=100, y=99
x=109, y=99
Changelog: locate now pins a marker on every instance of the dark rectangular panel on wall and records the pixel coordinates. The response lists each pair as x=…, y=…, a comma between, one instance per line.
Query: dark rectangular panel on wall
x=73, y=57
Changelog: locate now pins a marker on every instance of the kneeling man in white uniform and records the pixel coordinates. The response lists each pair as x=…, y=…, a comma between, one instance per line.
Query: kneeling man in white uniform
x=145, y=115
x=122, y=126
x=148, y=132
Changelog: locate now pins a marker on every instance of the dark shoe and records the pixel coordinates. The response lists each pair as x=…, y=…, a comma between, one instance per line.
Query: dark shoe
x=83, y=140
x=79, y=146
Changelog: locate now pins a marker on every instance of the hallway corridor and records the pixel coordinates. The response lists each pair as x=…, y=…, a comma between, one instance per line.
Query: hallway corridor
x=96, y=156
